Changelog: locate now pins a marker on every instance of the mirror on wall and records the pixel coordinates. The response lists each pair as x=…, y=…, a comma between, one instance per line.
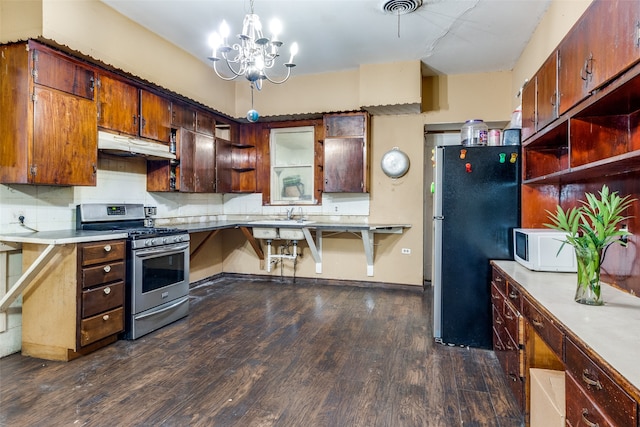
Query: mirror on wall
x=292, y=157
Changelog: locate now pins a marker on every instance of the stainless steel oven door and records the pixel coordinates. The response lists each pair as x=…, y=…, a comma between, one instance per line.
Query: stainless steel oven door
x=160, y=275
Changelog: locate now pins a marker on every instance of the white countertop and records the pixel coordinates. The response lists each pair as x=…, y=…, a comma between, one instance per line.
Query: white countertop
x=62, y=237
x=612, y=330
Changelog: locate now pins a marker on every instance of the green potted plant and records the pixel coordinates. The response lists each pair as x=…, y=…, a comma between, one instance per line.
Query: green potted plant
x=591, y=227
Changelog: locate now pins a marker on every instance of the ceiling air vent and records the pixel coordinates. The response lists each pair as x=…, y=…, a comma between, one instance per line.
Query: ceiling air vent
x=401, y=7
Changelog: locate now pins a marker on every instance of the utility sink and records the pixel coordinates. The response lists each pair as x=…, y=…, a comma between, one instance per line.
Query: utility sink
x=271, y=229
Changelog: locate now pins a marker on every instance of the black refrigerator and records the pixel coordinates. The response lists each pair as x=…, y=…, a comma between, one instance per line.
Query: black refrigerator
x=476, y=207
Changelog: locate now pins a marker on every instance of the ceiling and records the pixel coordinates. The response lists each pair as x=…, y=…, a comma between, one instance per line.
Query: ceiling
x=448, y=36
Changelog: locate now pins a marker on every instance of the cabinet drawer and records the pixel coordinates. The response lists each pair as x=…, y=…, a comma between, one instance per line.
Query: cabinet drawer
x=581, y=411
x=95, y=253
x=513, y=296
x=100, y=274
x=600, y=388
x=101, y=326
x=511, y=320
x=497, y=298
x=544, y=327
x=499, y=281
x=101, y=299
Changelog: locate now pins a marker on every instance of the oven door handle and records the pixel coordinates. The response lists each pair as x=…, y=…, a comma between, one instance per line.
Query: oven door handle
x=161, y=250
x=170, y=307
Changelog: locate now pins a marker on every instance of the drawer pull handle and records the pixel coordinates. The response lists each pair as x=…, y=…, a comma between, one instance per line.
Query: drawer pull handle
x=494, y=296
x=537, y=323
x=105, y=317
x=508, y=316
x=498, y=279
x=107, y=268
x=586, y=420
x=513, y=378
x=498, y=321
x=509, y=347
x=107, y=290
x=589, y=381
x=107, y=248
x=513, y=295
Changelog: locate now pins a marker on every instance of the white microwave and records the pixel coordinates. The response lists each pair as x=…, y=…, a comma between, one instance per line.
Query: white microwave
x=539, y=249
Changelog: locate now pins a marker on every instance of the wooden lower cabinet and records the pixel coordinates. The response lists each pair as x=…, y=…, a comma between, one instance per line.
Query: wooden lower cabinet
x=593, y=396
x=75, y=305
x=507, y=338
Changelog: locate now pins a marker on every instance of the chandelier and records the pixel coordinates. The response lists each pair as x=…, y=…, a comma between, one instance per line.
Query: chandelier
x=254, y=55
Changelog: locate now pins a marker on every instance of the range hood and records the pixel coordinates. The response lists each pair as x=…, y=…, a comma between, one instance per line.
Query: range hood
x=122, y=145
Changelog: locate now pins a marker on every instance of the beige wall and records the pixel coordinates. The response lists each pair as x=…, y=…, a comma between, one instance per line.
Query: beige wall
x=94, y=29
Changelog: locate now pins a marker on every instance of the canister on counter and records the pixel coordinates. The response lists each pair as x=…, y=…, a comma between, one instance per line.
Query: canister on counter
x=474, y=132
x=494, y=137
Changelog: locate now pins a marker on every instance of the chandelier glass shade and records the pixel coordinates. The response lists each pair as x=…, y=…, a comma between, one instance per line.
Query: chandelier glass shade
x=254, y=55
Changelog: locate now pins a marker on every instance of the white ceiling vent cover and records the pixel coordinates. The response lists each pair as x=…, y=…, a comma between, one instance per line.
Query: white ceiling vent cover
x=401, y=7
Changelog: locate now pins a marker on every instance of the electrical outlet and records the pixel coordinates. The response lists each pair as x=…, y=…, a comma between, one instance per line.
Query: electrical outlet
x=624, y=239
x=406, y=251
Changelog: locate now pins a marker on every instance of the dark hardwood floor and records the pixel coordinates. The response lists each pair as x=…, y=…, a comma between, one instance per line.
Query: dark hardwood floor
x=258, y=353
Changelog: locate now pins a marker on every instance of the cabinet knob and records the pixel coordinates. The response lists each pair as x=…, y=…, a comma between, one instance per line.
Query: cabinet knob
x=105, y=317
x=107, y=248
x=107, y=268
x=107, y=290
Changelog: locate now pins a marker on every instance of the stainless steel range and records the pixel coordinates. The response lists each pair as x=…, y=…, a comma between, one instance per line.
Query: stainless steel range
x=157, y=287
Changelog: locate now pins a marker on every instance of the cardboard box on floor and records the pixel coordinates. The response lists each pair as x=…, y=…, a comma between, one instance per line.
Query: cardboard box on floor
x=547, y=398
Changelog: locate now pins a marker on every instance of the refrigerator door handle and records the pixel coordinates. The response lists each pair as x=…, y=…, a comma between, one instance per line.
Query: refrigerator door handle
x=439, y=217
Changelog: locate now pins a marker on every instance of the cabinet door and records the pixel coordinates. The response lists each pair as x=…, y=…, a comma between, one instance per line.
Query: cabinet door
x=187, y=161
x=345, y=125
x=223, y=165
x=547, y=104
x=204, y=164
x=345, y=153
x=344, y=165
x=205, y=123
x=65, y=145
x=118, y=106
x=182, y=116
x=155, y=117
x=529, y=109
x=573, y=80
x=60, y=73
x=602, y=44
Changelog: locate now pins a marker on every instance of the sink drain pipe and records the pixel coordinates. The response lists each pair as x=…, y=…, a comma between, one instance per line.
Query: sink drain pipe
x=281, y=256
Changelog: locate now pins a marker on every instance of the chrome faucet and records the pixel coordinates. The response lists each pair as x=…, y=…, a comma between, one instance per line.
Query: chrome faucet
x=290, y=213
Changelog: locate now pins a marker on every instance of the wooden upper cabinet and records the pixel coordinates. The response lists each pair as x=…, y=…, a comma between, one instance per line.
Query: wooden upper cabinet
x=182, y=116
x=155, y=116
x=118, y=105
x=547, y=88
x=48, y=120
x=205, y=123
x=346, y=142
x=529, y=108
x=603, y=43
x=125, y=108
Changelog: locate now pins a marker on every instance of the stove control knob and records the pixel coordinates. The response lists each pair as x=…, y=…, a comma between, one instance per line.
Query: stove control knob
x=153, y=241
x=178, y=239
x=164, y=240
x=147, y=242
